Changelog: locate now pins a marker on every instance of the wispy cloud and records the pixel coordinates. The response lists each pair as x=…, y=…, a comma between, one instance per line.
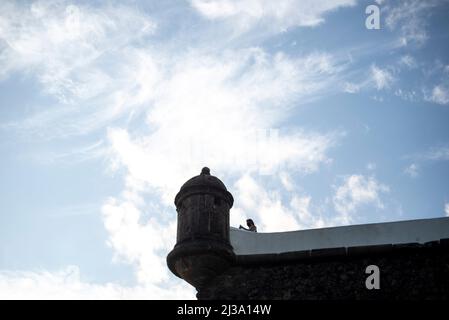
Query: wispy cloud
x=68, y=284
x=371, y=166
x=422, y=159
x=246, y=14
x=408, y=95
x=412, y=170
x=437, y=153
x=382, y=78
x=408, y=61
x=410, y=18
x=355, y=191
x=58, y=40
x=350, y=87
x=92, y=151
x=439, y=95
x=139, y=241
x=73, y=210
x=239, y=99
x=69, y=49
x=376, y=78
x=272, y=209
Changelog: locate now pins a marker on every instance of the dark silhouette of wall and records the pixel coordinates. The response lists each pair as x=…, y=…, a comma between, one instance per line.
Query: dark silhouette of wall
x=204, y=257
x=407, y=272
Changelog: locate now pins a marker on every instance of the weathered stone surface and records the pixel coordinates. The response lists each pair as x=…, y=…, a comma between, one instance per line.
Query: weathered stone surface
x=419, y=272
x=202, y=249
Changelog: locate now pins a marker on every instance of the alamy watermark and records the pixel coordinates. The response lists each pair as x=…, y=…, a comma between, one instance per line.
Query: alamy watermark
x=373, y=280
x=372, y=21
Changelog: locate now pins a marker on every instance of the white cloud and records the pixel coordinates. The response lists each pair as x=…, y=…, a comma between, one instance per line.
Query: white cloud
x=67, y=284
x=446, y=209
x=355, y=191
x=301, y=206
x=70, y=49
x=279, y=15
x=238, y=100
x=265, y=207
x=270, y=211
x=275, y=210
x=437, y=154
x=382, y=78
x=91, y=151
x=406, y=95
x=420, y=160
x=377, y=98
x=377, y=77
x=408, y=61
x=371, y=166
x=412, y=170
x=350, y=87
x=137, y=240
x=73, y=64
x=440, y=95
x=287, y=181
x=57, y=40
x=410, y=18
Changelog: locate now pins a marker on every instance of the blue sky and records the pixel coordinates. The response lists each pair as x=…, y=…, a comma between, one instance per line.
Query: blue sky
x=309, y=118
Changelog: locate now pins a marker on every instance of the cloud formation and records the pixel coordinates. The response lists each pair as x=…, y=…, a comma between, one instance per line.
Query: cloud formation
x=382, y=78
x=440, y=95
x=240, y=100
x=356, y=191
x=412, y=170
x=67, y=284
x=279, y=15
x=69, y=50
x=410, y=18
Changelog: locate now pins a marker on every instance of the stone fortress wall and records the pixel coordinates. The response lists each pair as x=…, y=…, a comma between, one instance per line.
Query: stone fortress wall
x=412, y=257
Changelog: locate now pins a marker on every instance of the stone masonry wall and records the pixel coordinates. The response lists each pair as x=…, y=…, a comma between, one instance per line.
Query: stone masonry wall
x=407, y=272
